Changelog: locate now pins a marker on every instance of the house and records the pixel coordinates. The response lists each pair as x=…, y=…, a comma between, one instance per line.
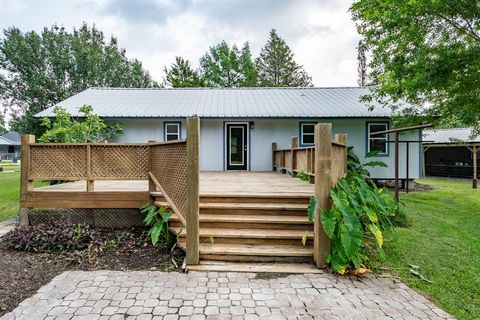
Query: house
x=10, y=146
x=239, y=125
x=451, y=153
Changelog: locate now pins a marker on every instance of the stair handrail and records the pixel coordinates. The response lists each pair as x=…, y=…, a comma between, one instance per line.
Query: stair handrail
x=169, y=200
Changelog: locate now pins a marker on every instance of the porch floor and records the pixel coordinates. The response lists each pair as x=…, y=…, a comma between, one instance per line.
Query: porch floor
x=211, y=183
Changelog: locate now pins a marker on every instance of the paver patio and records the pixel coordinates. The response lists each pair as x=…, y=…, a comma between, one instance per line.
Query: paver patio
x=214, y=295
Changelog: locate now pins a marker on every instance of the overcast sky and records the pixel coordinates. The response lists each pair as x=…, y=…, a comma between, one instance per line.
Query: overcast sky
x=320, y=33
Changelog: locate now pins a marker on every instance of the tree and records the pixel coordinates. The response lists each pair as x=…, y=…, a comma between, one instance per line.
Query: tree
x=3, y=128
x=362, y=65
x=38, y=70
x=276, y=66
x=181, y=74
x=248, y=67
x=220, y=66
x=426, y=53
x=66, y=129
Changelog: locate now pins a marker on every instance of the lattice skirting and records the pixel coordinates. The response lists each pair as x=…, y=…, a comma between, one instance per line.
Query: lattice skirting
x=113, y=218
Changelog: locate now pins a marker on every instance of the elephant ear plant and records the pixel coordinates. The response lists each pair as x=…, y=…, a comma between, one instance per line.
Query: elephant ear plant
x=359, y=216
x=157, y=219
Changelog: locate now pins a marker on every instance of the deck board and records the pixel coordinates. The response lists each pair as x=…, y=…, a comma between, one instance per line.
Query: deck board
x=211, y=183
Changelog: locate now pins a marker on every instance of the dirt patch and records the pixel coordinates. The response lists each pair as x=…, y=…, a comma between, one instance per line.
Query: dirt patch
x=23, y=273
x=415, y=187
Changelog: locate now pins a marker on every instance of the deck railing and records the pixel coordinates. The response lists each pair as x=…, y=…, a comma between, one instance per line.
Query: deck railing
x=324, y=163
x=171, y=168
x=82, y=161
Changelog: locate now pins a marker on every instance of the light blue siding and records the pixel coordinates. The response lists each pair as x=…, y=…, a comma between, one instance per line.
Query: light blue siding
x=264, y=132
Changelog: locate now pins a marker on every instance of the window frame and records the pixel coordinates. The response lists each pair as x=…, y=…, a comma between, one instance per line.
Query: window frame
x=301, y=134
x=368, y=138
x=179, y=133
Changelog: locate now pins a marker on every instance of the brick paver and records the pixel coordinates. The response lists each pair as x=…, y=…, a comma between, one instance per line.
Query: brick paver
x=214, y=295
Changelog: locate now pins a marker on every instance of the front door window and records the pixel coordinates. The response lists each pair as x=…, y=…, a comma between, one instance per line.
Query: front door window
x=237, y=147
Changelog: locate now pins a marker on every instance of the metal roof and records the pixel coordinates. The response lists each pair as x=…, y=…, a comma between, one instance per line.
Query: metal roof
x=223, y=103
x=452, y=135
x=5, y=142
x=13, y=136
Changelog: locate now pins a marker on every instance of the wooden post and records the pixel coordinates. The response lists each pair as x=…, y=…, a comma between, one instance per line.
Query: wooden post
x=151, y=185
x=475, y=168
x=323, y=184
x=407, y=173
x=193, y=190
x=26, y=184
x=342, y=138
x=274, y=164
x=90, y=182
x=293, y=152
x=397, y=163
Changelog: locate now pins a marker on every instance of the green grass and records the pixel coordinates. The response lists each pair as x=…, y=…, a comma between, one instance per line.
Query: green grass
x=10, y=194
x=444, y=241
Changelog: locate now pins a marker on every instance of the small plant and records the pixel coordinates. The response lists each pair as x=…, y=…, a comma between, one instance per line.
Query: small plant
x=51, y=236
x=157, y=219
x=303, y=175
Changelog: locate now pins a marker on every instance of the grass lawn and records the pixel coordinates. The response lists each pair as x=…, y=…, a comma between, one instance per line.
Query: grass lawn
x=9, y=194
x=444, y=241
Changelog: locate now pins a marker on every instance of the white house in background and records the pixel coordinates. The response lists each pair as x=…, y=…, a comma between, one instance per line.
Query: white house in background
x=238, y=125
x=10, y=146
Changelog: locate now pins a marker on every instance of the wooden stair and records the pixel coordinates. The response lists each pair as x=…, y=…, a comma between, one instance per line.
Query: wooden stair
x=241, y=229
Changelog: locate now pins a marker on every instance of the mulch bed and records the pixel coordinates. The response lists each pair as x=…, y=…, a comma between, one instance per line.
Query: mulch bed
x=23, y=273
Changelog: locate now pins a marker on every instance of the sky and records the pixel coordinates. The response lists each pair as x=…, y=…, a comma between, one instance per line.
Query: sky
x=320, y=33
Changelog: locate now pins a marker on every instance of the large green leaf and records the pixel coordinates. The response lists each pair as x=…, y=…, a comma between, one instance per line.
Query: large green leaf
x=375, y=164
x=375, y=230
x=329, y=222
x=351, y=239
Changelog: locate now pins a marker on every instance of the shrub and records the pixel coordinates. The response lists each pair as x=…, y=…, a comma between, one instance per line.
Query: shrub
x=360, y=213
x=157, y=219
x=51, y=236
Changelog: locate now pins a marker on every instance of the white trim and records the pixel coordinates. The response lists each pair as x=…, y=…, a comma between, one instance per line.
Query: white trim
x=302, y=134
x=377, y=138
x=172, y=134
x=226, y=147
x=230, y=145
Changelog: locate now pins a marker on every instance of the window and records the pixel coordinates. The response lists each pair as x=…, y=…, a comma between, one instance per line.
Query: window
x=307, y=133
x=172, y=131
x=377, y=142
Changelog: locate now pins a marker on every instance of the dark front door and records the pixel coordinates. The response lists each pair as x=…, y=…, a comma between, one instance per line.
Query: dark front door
x=237, y=146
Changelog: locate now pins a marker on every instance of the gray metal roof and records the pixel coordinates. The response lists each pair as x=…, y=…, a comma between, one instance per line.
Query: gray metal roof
x=223, y=103
x=453, y=135
x=5, y=142
x=13, y=136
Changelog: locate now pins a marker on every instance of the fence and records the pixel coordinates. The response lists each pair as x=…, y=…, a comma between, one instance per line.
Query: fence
x=174, y=171
x=171, y=168
x=324, y=163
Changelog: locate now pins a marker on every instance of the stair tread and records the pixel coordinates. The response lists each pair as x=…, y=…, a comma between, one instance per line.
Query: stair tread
x=277, y=267
x=251, y=218
x=248, y=233
x=260, y=206
x=253, y=250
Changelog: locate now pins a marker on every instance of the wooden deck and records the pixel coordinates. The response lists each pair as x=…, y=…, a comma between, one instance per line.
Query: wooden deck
x=211, y=183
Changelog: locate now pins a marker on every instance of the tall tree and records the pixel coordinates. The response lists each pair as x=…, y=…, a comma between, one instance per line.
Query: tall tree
x=248, y=67
x=181, y=74
x=425, y=52
x=277, y=67
x=40, y=69
x=220, y=66
x=3, y=127
x=361, y=65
